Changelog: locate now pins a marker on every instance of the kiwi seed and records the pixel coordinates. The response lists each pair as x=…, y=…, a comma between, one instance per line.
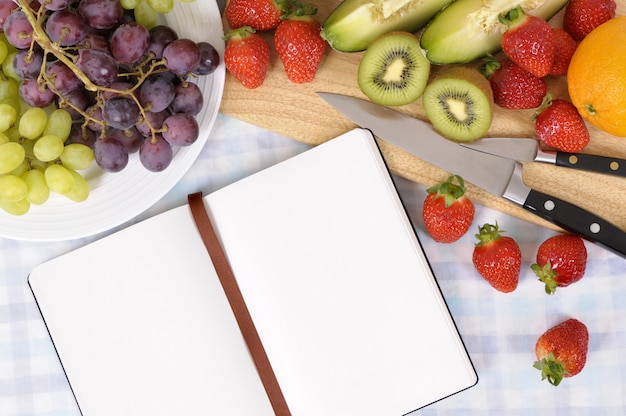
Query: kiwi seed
x=393, y=70
x=459, y=103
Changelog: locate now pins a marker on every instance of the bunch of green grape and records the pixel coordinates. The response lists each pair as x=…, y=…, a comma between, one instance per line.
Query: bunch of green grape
x=35, y=159
x=147, y=11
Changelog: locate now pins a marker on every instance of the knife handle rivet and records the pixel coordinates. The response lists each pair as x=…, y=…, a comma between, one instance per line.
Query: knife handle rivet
x=614, y=165
x=573, y=159
x=549, y=205
x=594, y=228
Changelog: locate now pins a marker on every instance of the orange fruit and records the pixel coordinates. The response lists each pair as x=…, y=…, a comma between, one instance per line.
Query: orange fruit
x=596, y=78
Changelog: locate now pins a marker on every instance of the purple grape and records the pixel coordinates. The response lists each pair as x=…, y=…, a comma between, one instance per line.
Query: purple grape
x=6, y=8
x=94, y=41
x=180, y=129
x=209, y=59
x=131, y=138
x=95, y=112
x=156, y=93
x=110, y=154
x=182, y=56
x=18, y=30
x=63, y=78
x=160, y=37
x=27, y=64
x=79, y=99
x=155, y=155
x=155, y=120
x=99, y=66
x=65, y=27
x=120, y=112
x=36, y=95
x=101, y=14
x=55, y=4
x=117, y=85
x=82, y=136
x=129, y=42
x=187, y=99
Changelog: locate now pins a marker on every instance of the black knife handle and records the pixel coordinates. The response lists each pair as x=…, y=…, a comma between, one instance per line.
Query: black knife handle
x=577, y=221
x=593, y=163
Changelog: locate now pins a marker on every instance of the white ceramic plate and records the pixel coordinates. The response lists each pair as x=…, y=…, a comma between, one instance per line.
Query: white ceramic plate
x=118, y=197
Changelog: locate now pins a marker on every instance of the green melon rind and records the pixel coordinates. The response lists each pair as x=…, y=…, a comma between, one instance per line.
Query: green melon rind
x=354, y=24
x=452, y=37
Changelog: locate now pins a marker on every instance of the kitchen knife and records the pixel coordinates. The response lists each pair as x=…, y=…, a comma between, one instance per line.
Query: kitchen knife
x=495, y=174
x=528, y=150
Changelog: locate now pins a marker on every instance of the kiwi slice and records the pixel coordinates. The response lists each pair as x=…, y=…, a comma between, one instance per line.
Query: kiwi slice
x=459, y=103
x=393, y=70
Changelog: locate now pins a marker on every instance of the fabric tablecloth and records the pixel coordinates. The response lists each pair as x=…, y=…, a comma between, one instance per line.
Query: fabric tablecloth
x=499, y=330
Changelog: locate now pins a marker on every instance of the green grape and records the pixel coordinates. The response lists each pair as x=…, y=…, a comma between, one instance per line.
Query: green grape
x=14, y=102
x=8, y=116
x=12, y=188
x=32, y=123
x=48, y=148
x=3, y=39
x=59, y=124
x=145, y=15
x=28, y=148
x=129, y=4
x=161, y=6
x=38, y=191
x=11, y=155
x=4, y=138
x=21, y=168
x=77, y=156
x=4, y=51
x=80, y=190
x=9, y=87
x=20, y=207
x=14, y=134
x=7, y=67
x=59, y=179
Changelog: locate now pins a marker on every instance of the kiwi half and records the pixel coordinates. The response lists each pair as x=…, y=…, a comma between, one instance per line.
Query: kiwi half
x=459, y=103
x=393, y=70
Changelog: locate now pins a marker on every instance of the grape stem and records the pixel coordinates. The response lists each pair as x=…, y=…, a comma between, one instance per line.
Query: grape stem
x=42, y=39
x=40, y=36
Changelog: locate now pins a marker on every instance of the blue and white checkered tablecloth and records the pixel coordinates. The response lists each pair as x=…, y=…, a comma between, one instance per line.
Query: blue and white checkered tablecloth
x=499, y=330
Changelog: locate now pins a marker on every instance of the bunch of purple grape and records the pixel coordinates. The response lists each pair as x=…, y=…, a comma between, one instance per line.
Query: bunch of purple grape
x=128, y=88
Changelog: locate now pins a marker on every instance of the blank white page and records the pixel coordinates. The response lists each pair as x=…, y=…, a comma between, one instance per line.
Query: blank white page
x=343, y=298
x=142, y=326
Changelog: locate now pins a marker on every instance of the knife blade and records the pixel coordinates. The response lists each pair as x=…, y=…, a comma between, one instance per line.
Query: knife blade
x=528, y=150
x=495, y=174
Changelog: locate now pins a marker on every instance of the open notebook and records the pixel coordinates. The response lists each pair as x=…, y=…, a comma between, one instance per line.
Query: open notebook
x=336, y=281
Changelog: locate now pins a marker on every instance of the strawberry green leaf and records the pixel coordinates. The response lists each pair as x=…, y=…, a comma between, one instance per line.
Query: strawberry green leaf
x=551, y=369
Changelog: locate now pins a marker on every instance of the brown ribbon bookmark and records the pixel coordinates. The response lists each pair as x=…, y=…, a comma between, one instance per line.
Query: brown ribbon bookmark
x=238, y=304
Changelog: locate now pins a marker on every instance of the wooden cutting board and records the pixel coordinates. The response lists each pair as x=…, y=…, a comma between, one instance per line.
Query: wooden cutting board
x=295, y=111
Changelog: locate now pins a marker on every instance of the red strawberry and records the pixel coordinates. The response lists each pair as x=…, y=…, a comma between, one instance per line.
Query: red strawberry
x=300, y=46
x=559, y=125
x=528, y=41
x=247, y=56
x=447, y=212
x=562, y=351
x=513, y=87
x=565, y=48
x=561, y=261
x=497, y=258
x=258, y=14
x=582, y=16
